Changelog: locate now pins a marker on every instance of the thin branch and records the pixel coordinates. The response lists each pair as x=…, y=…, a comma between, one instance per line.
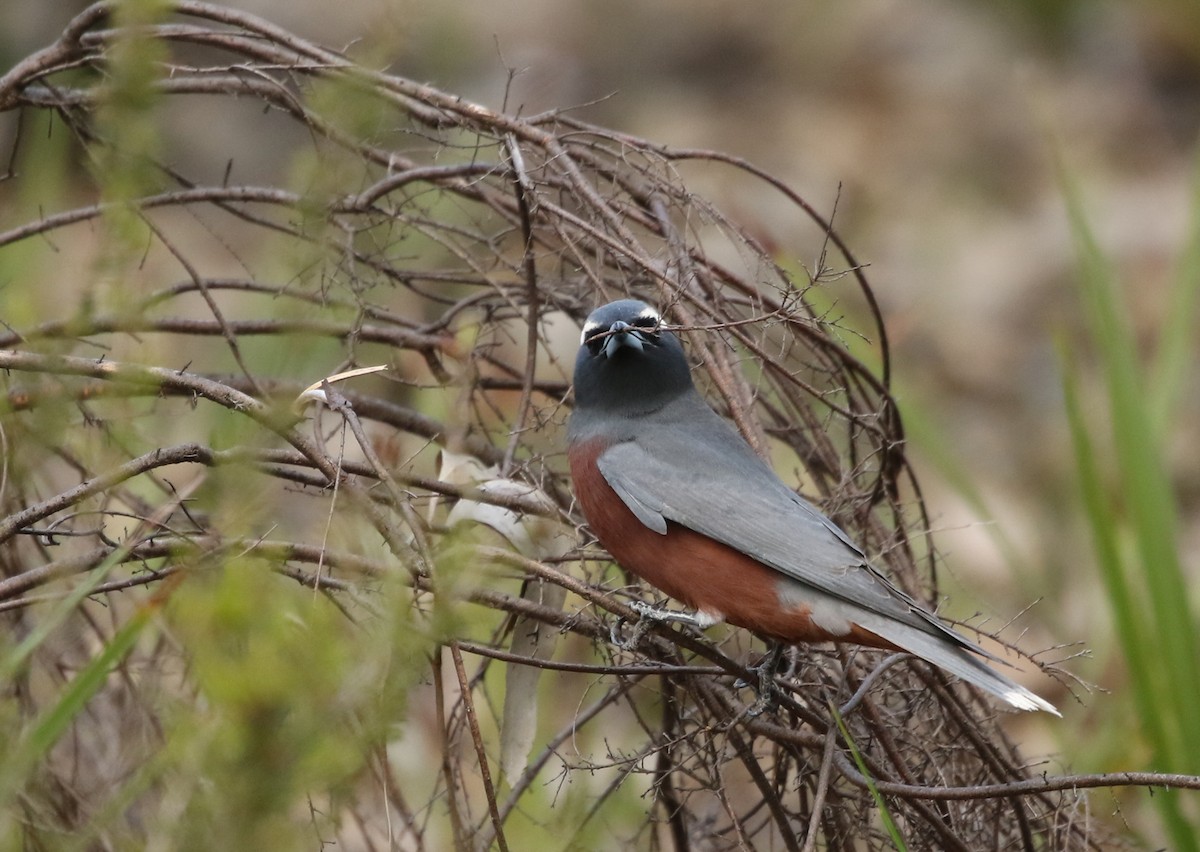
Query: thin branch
x=480, y=752
x=524, y=191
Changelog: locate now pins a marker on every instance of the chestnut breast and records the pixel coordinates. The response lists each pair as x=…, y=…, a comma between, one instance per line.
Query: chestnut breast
x=698, y=571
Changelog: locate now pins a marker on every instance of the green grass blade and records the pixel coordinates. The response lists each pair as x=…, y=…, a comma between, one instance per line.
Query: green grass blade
x=12, y=661
x=1176, y=351
x=1103, y=522
x=1146, y=487
x=47, y=729
x=1159, y=635
x=889, y=824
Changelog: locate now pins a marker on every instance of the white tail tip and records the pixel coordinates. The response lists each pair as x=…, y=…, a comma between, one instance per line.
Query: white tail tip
x=1023, y=699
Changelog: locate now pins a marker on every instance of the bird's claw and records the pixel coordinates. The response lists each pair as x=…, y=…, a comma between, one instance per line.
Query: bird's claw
x=648, y=614
x=767, y=688
x=768, y=698
x=635, y=635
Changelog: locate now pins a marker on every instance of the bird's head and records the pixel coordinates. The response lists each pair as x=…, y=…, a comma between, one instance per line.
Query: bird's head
x=629, y=361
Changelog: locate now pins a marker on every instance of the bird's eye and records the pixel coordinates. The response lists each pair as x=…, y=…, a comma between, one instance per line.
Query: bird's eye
x=651, y=324
x=595, y=342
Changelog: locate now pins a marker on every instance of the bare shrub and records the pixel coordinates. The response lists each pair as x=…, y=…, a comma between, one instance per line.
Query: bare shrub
x=239, y=620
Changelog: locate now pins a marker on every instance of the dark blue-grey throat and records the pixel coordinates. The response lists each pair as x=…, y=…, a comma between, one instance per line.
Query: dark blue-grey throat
x=629, y=361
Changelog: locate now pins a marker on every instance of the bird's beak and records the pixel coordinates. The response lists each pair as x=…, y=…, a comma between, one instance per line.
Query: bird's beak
x=621, y=334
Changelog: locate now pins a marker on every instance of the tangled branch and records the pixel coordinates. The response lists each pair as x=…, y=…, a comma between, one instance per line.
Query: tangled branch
x=455, y=243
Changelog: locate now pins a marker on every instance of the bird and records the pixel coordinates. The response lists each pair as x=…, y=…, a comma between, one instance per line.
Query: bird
x=678, y=497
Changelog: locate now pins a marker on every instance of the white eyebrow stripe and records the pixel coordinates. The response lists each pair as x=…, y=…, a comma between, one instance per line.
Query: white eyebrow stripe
x=589, y=328
x=647, y=313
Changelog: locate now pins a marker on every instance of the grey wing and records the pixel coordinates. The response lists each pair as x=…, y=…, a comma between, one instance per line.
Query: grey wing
x=730, y=495
x=720, y=488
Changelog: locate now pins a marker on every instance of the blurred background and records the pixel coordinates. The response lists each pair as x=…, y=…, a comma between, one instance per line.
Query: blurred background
x=940, y=131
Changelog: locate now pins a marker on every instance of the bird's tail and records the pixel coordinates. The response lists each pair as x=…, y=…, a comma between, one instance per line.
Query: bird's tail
x=961, y=658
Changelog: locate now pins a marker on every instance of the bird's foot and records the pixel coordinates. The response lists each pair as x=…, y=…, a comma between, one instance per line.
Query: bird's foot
x=628, y=643
x=768, y=690
x=648, y=615
x=648, y=612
